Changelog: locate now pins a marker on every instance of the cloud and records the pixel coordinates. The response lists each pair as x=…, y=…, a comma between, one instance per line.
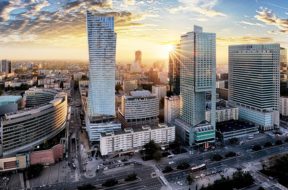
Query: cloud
x=268, y=17
x=129, y=2
x=251, y=23
x=204, y=7
x=243, y=40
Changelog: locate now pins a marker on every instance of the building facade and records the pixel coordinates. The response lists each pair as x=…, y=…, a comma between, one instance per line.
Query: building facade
x=174, y=70
x=197, y=77
x=284, y=106
x=224, y=114
x=159, y=90
x=283, y=71
x=25, y=129
x=5, y=66
x=102, y=50
x=132, y=139
x=171, y=108
x=254, y=83
x=138, y=109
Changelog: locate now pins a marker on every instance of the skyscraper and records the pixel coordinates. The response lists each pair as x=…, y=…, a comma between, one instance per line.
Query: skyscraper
x=136, y=66
x=254, y=83
x=174, y=70
x=197, y=78
x=102, y=50
x=5, y=66
x=100, y=113
x=283, y=72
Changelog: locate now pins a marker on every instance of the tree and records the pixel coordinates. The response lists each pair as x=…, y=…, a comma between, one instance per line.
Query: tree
x=183, y=166
x=230, y=154
x=234, y=141
x=189, y=179
x=256, y=147
x=278, y=142
x=157, y=155
x=110, y=183
x=61, y=85
x=268, y=144
x=216, y=157
x=131, y=177
x=34, y=170
x=118, y=87
x=86, y=187
x=153, y=150
x=167, y=169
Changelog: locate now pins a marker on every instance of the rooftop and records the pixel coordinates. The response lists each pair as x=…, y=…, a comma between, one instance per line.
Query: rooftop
x=140, y=93
x=9, y=99
x=233, y=125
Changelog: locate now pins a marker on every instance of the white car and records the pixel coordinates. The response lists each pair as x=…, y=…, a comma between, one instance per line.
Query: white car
x=172, y=162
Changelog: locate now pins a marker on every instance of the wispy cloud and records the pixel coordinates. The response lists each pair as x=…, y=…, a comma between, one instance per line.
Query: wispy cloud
x=243, y=40
x=251, y=23
x=268, y=17
x=204, y=7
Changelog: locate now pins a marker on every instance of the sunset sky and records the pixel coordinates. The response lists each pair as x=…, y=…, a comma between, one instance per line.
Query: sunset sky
x=55, y=29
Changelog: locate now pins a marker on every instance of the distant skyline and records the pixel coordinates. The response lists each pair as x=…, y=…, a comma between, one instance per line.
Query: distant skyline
x=56, y=29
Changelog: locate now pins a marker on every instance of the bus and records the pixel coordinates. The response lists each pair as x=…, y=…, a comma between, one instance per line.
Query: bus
x=198, y=168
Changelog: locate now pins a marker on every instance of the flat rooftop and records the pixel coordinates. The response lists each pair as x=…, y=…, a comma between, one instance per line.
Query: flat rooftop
x=233, y=125
x=9, y=99
x=140, y=93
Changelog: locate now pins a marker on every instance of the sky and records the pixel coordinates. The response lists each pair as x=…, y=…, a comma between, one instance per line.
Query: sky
x=56, y=29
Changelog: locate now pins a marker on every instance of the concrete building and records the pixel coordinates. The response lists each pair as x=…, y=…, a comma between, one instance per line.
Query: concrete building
x=174, y=70
x=197, y=77
x=129, y=85
x=224, y=113
x=136, y=66
x=10, y=104
x=284, y=106
x=254, y=83
x=171, y=108
x=159, y=90
x=283, y=72
x=132, y=139
x=138, y=109
x=38, y=96
x=5, y=66
x=25, y=129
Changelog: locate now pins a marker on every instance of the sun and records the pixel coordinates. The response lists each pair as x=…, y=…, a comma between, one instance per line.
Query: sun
x=166, y=49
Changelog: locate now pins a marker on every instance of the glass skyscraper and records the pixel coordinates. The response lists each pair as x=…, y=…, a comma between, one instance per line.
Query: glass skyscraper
x=102, y=50
x=254, y=82
x=197, y=80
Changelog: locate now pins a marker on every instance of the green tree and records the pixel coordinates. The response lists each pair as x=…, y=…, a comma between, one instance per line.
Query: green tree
x=278, y=142
x=189, y=179
x=183, y=166
x=86, y=187
x=256, y=147
x=167, y=169
x=268, y=144
x=157, y=155
x=230, y=154
x=131, y=177
x=118, y=87
x=216, y=157
x=110, y=183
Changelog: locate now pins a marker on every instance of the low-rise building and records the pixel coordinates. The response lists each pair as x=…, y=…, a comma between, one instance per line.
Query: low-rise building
x=224, y=113
x=131, y=139
x=235, y=129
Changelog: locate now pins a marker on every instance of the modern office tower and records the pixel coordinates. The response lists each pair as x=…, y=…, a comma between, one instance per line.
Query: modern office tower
x=283, y=72
x=254, y=83
x=100, y=112
x=171, y=108
x=159, y=90
x=24, y=129
x=138, y=109
x=102, y=50
x=197, y=77
x=5, y=66
x=174, y=70
x=136, y=66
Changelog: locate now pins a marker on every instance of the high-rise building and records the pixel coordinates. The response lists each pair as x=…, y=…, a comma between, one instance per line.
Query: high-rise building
x=5, y=66
x=100, y=113
x=102, y=50
x=174, y=70
x=254, y=83
x=136, y=66
x=197, y=77
x=171, y=108
x=283, y=72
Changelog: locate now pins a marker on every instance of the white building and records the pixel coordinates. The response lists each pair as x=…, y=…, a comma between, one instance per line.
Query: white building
x=159, y=91
x=140, y=108
x=131, y=139
x=220, y=84
x=254, y=83
x=224, y=114
x=284, y=106
x=171, y=108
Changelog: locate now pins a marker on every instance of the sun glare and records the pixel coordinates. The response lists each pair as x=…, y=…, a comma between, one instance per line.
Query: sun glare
x=166, y=49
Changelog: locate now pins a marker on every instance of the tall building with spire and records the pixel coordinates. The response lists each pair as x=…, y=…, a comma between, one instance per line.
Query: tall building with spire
x=102, y=51
x=136, y=67
x=100, y=113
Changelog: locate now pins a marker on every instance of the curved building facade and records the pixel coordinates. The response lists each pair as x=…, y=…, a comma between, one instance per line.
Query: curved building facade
x=24, y=130
x=38, y=96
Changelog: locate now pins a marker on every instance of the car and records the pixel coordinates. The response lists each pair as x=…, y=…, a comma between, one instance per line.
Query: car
x=172, y=162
